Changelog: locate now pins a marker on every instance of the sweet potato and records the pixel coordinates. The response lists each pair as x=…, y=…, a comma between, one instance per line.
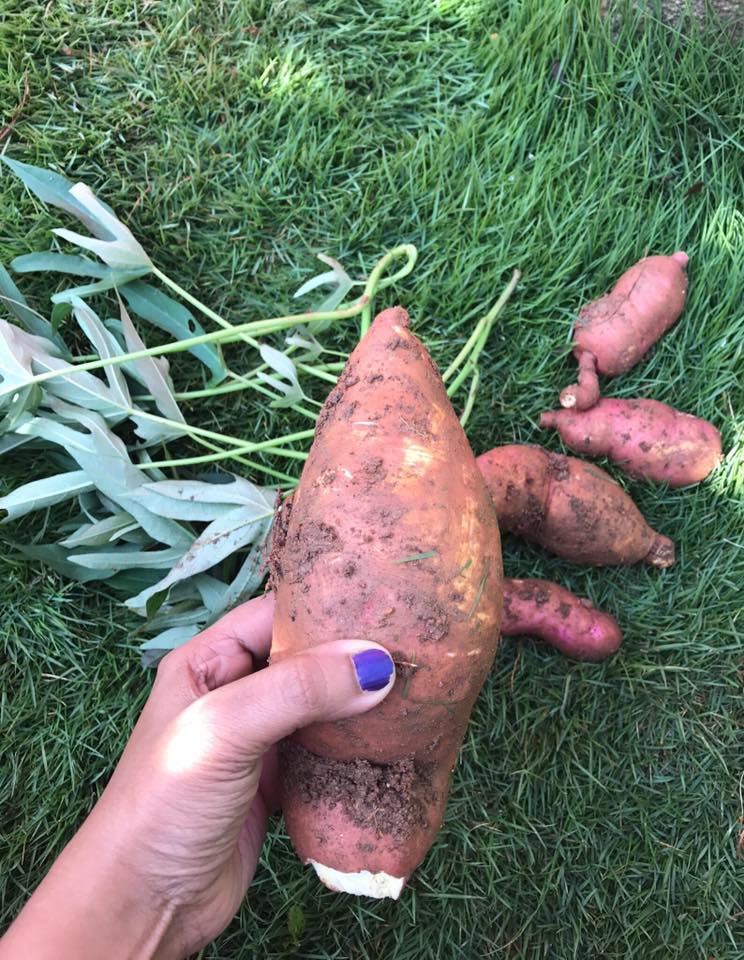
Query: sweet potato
x=391, y=537
x=569, y=623
x=571, y=508
x=613, y=333
x=644, y=438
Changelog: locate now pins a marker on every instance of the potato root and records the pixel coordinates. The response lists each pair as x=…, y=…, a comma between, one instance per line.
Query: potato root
x=645, y=438
x=572, y=508
x=391, y=536
x=539, y=608
x=613, y=333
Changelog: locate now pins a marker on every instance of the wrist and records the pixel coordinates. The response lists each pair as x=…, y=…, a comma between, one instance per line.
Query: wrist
x=90, y=904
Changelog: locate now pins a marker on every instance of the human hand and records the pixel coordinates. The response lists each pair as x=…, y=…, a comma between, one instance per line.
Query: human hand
x=163, y=861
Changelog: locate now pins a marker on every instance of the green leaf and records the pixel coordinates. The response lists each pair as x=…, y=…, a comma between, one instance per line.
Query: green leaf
x=220, y=539
x=211, y=591
x=249, y=578
x=169, y=315
x=100, y=532
x=122, y=251
x=178, y=615
x=52, y=262
x=60, y=312
x=39, y=494
x=24, y=401
x=55, y=557
x=238, y=491
x=54, y=189
x=113, y=279
x=152, y=371
x=104, y=458
x=289, y=385
x=129, y=582
x=170, y=639
x=183, y=509
x=16, y=303
x=10, y=442
x=106, y=347
x=123, y=559
x=337, y=277
x=307, y=342
x=23, y=354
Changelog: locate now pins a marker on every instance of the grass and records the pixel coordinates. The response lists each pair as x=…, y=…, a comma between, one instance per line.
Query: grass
x=596, y=809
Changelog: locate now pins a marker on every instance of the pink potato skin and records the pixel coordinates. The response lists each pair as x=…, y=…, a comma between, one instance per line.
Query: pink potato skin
x=391, y=536
x=571, y=508
x=619, y=328
x=569, y=623
x=645, y=438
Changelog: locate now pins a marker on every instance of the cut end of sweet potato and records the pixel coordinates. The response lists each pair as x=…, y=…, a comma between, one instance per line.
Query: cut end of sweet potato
x=662, y=552
x=361, y=884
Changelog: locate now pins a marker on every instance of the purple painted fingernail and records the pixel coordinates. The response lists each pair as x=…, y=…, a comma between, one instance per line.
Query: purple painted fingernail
x=373, y=668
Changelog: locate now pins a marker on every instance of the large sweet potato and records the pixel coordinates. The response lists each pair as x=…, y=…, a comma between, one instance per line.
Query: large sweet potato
x=539, y=608
x=613, y=333
x=390, y=536
x=572, y=508
x=644, y=438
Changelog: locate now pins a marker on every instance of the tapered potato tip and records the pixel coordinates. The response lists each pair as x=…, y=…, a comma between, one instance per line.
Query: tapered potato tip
x=681, y=257
x=662, y=552
x=583, y=394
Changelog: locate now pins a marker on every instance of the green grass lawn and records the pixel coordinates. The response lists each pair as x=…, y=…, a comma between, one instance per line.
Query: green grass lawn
x=596, y=809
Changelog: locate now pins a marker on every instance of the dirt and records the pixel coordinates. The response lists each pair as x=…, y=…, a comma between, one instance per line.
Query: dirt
x=534, y=592
x=530, y=521
x=558, y=468
x=404, y=668
x=374, y=470
x=400, y=343
x=430, y=616
x=300, y=548
x=282, y=513
x=391, y=799
x=585, y=516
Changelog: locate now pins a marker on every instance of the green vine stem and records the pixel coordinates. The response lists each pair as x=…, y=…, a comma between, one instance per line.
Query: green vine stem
x=465, y=416
x=374, y=283
x=273, y=446
x=477, y=339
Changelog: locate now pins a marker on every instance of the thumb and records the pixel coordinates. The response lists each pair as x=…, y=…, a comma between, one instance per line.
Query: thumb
x=327, y=682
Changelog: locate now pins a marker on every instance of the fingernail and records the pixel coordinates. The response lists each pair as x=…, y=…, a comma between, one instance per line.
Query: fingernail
x=373, y=669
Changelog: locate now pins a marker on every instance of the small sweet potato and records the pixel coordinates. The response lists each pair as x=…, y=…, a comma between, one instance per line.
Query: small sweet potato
x=539, y=608
x=572, y=508
x=613, y=333
x=391, y=537
x=644, y=438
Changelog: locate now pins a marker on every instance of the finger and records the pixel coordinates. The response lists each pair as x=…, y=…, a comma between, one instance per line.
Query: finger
x=224, y=652
x=331, y=681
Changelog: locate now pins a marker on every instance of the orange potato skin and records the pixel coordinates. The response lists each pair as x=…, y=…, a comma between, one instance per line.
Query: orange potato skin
x=391, y=536
x=619, y=328
x=390, y=476
x=571, y=508
x=569, y=623
x=645, y=438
